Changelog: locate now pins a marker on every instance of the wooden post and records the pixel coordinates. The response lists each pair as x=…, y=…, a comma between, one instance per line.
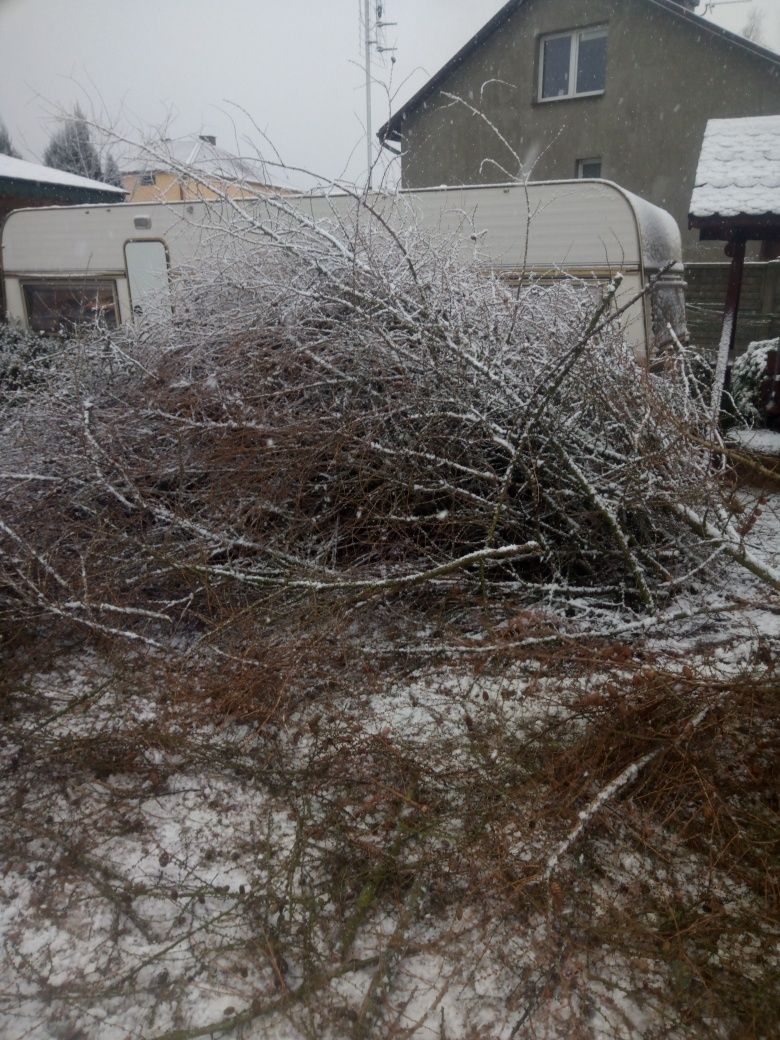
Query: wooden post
x=728, y=336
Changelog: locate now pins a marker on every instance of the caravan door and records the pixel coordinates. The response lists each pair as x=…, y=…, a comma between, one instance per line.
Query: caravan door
x=147, y=278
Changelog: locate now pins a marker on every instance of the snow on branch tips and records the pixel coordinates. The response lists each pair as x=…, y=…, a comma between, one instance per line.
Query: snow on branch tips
x=339, y=407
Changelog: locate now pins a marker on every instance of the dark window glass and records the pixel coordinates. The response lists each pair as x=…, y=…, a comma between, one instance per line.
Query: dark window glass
x=588, y=168
x=146, y=179
x=52, y=307
x=592, y=63
x=555, y=67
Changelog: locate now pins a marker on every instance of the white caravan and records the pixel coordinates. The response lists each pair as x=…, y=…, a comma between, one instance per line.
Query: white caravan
x=65, y=265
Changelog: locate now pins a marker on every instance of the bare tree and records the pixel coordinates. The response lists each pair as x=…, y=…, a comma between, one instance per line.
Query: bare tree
x=6, y=148
x=753, y=28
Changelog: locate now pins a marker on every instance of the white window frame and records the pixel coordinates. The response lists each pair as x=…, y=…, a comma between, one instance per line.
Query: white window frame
x=575, y=35
x=582, y=163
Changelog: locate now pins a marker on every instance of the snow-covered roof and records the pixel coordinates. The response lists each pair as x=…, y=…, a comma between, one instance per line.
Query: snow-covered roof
x=191, y=152
x=21, y=170
x=739, y=169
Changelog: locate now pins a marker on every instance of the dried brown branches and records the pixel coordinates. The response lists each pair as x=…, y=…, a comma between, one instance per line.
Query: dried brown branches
x=338, y=409
x=369, y=865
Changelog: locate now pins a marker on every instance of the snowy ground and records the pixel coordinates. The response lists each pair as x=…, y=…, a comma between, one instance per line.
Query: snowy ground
x=766, y=442
x=384, y=863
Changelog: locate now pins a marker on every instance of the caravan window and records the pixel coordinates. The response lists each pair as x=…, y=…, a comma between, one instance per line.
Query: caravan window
x=54, y=306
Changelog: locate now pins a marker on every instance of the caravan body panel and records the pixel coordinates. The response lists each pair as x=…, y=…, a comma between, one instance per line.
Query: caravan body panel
x=585, y=229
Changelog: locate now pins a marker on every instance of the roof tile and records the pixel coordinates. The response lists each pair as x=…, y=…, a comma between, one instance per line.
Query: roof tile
x=739, y=169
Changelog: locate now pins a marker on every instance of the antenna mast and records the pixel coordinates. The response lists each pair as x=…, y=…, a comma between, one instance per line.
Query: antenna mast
x=369, y=142
x=712, y=4
x=372, y=40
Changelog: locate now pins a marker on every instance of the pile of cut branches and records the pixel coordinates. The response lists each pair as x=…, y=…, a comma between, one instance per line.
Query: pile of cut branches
x=342, y=409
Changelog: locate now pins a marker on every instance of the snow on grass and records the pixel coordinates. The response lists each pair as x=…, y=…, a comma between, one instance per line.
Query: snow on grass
x=764, y=442
x=370, y=867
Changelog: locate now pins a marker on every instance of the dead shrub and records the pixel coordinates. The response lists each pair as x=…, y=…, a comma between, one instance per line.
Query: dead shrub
x=352, y=414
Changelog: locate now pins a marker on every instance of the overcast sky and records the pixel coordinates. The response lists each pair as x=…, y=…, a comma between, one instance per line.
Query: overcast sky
x=294, y=65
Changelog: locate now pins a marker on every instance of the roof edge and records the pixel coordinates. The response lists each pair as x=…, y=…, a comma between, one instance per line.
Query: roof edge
x=764, y=227
x=17, y=187
x=390, y=131
x=677, y=11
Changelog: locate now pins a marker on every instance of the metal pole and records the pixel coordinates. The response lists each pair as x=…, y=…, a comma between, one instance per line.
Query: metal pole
x=369, y=148
x=728, y=336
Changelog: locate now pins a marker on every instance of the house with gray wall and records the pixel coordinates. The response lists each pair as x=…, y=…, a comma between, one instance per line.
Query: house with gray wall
x=618, y=89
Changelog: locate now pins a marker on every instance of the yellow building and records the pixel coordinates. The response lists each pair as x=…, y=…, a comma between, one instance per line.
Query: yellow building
x=189, y=169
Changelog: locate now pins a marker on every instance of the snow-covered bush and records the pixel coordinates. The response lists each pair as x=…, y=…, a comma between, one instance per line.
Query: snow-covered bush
x=747, y=375
x=341, y=410
x=24, y=358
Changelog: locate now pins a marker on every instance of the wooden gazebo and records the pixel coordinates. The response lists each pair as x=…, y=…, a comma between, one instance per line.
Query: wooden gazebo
x=736, y=200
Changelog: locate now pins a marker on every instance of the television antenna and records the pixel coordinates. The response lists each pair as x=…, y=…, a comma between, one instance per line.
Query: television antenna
x=373, y=40
x=712, y=4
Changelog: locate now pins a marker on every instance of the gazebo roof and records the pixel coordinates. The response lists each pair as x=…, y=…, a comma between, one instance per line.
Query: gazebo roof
x=737, y=183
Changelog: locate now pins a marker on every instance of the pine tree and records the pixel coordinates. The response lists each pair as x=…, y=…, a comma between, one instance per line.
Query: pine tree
x=71, y=148
x=111, y=174
x=6, y=148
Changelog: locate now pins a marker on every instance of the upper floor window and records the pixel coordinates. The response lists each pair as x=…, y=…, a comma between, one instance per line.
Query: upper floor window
x=146, y=179
x=573, y=64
